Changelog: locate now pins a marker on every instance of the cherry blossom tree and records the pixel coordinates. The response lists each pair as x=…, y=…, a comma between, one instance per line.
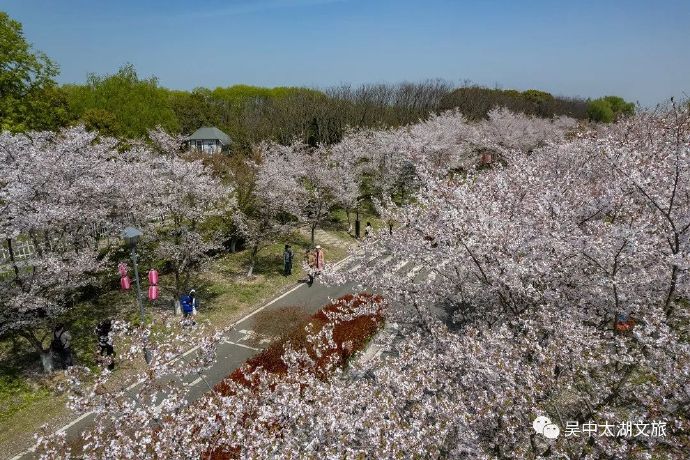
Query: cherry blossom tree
x=58, y=197
x=326, y=181
x=554, y=244
x=512, y=312
x=185, y=194
x=267, y=212
x=66, y=197
x=524, y=132
x=304, y=182
x=448, y=142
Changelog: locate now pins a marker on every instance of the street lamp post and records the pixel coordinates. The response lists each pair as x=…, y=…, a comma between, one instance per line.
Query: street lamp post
x=131, y=236
x=357, y=219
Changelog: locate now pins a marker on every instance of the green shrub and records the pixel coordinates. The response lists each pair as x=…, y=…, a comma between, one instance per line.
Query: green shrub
x=608, y=109
x=601, y=111
x=620, y=106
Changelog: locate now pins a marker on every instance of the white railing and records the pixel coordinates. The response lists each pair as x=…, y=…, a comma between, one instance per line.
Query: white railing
x=22, y=250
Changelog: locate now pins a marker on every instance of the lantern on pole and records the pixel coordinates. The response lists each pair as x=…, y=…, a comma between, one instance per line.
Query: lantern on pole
x=153, y=277
x=153, y=281
x=125, y=282
x=131, y=237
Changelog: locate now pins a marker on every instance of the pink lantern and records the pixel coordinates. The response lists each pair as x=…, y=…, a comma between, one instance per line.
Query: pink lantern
x=153, y=292
x=125, y=283
x=122, y=268
x=153, y=277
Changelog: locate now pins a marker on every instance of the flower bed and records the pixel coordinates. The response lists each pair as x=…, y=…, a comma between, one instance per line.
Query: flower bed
x=331, y=337
x=351, y=331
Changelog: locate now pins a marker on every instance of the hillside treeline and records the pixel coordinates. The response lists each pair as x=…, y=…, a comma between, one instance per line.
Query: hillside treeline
x=125, y=105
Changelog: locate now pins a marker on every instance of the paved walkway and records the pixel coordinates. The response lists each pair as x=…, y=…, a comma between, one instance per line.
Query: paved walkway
x=323, y=237
x=242, y=341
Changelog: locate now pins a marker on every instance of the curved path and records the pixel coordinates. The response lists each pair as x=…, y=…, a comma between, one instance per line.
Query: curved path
x=241, y=342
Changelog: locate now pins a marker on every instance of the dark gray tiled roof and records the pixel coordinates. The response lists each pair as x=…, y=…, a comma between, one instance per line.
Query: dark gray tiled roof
x=207, y=133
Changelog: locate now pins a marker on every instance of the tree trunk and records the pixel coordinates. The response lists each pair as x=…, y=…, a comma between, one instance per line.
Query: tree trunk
x=10, y=249
x=185, y=282
x=233, y=245
x=178, y=287
x=313, y=229
x=46, y=355
x=252, y=260
x=668, y=304
x=357, y=223
x=47, y=361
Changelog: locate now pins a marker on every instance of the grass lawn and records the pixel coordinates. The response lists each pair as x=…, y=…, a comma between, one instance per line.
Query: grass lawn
x=23, y=409
x=337, y=223
x=28, y=399
x=226, y=293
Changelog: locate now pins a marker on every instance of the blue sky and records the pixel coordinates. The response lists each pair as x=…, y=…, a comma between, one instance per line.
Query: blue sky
x=637, y=49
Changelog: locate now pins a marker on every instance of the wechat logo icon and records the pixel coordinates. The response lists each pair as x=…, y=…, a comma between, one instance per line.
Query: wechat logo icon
x=543, y=426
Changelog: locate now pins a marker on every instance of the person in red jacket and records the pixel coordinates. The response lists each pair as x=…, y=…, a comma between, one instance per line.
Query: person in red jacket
x=320, y=262
x=624, y=323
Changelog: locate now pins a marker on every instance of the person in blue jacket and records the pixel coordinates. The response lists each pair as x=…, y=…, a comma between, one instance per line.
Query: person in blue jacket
x=186, y=304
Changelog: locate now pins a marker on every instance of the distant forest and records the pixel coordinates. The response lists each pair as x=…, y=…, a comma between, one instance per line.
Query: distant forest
x=124, y=105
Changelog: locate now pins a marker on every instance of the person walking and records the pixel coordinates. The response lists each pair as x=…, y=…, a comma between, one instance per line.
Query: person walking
x=287, y=260
x=368, y=230
x=62, y=345
x=186, y=302
x=310, y=261
x=105, y=343
x=320, y=262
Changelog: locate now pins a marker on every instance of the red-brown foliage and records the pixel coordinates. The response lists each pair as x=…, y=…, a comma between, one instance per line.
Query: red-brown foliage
x=356, y=331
